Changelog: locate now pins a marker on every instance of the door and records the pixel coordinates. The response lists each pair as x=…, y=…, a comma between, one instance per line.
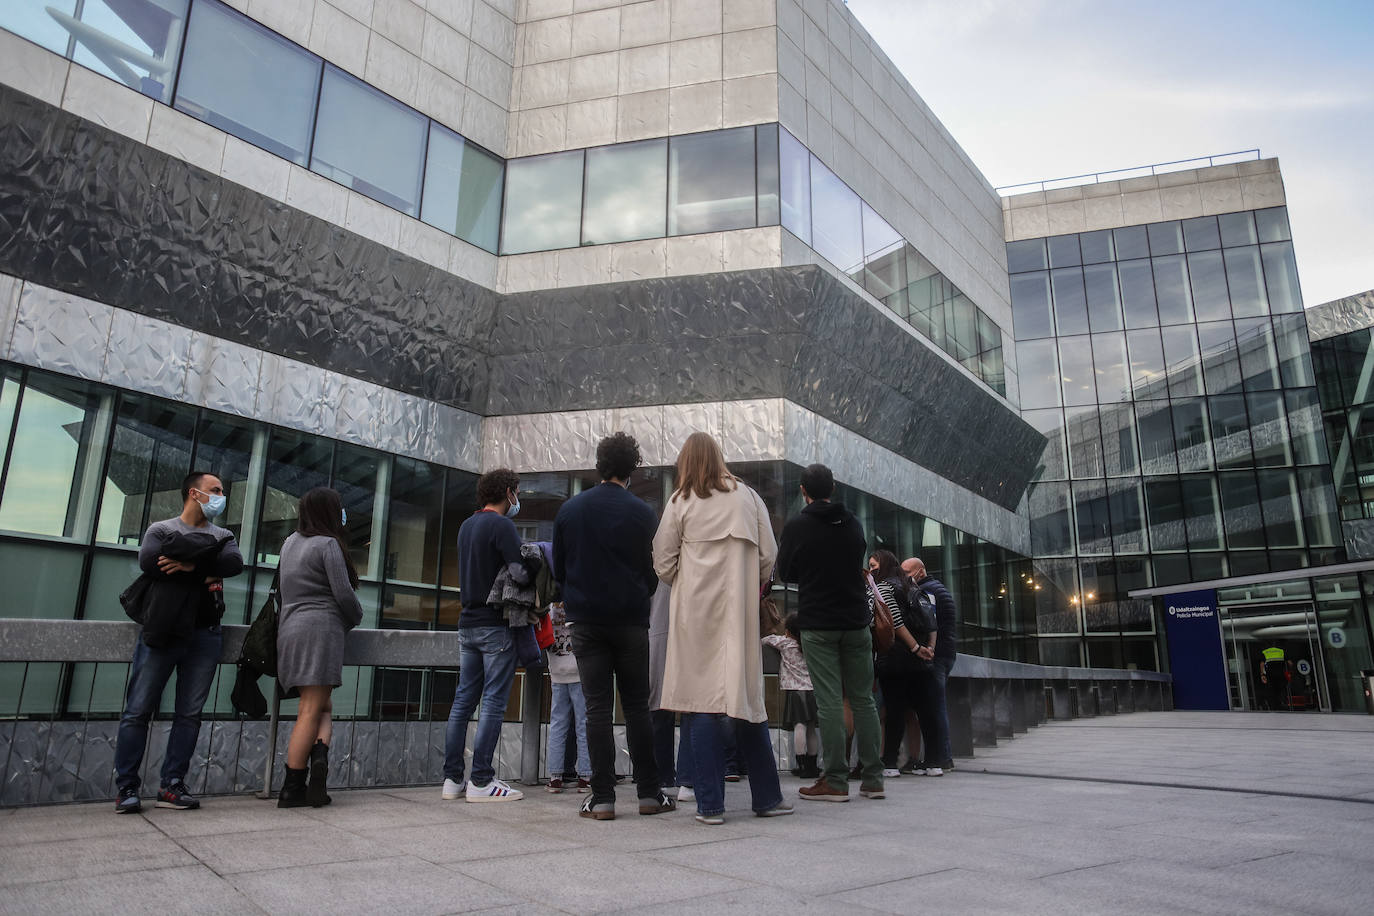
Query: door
x=1274, y=657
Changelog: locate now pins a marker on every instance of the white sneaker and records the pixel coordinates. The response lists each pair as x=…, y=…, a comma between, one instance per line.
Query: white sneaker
x=494, y=791
x=686, y=793
x=934, y=771
x=891, y=773
x=453, y=790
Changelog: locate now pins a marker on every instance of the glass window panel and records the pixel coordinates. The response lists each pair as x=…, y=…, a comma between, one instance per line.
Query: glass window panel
x=625, y=193
x=711, y=182
x=1202, y=511
x=1127, y=506
x=794, y=173
x=1282, y=511
x=462, y=188
x=1053, y=463
x=1200, y=233
x=1230, y=431
x=149, y=456
x=1097, y=246
x=994, y=371
x=1109, y=362
x=766, y=168
x=989, y=334
x=133, y=41
x=1290, y=342
x=58, y=439
x=1138, y=294
x=1131, y=242
x=1208, y=276
x=961, y=327
x=543, y=203
x=9, y=398
x=1064, y=251
x=42, y=579
x=1085, y=442
x=1104, y=303
x=1164, y=509
x=1156, y=425
x=413, y=530
x=879, y=237
x=1183, y=363
x=1237, y=229
x=1319, y=508
x=1039, y=369
x=1259, y=362
x=1093, y=526
x=1165, y=238
x=885, y=277
x=369, y=142
x=1220, y=359
x=1146, y=364
x=1026, y=255
x=296, y=462
x=460, y=501
x=1191, y=434
x=1050, y=519
x=837, y=219
x=1172, y=292
x=1169, y=570
x=1076, y=370
x=242, y=78
x=1030, y=305
x=926, y=293
x=1273, y=224
x=1269, y=428
x=224, y=447
x=1354, y=472
x=1281, y=277
x=408, y=608
x=1241, y=504
x=111, y=573
x=31, y=19
x=1070, y=301
x=1120, y=450
x=1213, y=565
x=1245, y=280
x=1305, y=426
x=356, y=473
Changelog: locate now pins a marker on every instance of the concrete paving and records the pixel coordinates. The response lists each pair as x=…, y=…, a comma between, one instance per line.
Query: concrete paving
x=1146, y=813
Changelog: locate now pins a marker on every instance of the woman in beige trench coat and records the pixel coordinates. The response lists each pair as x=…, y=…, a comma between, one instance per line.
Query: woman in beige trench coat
x=715, y=546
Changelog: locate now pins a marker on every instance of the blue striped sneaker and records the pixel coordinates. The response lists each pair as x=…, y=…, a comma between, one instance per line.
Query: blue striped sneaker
x=494, y=791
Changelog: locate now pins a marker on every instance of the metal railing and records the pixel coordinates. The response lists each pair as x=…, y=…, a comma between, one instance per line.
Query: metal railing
x=1141, y=171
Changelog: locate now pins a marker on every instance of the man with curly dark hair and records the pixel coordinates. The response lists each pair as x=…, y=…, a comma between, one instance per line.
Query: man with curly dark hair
x=603, y=559
x=487, y=543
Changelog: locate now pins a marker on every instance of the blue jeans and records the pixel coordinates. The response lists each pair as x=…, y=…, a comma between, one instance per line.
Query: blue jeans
x=755, y=747
x=942, y=669
x=195, y=663
x=487, y=659
x=672, y=774
x=568, y=706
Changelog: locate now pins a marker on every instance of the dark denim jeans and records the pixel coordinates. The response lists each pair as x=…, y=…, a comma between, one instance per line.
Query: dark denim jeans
x=195, y=663
x=670, y=773
x=487, y=657
x=942, y=669
x=611, y=657
x=708, y=747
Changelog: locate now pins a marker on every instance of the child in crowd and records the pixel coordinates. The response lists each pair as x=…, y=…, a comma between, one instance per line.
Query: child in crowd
x=569, y=707
x=799, y=701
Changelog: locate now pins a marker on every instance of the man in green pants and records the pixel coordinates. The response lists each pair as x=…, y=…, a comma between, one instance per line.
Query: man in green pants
x=822, y=550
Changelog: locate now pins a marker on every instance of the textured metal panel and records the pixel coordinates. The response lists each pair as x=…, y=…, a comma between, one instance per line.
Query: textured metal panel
x=95, y=779
x=9, y=309
x=224, y=375
x=300, y=400
x=1359, y=538
x=252, y=754
x=28, y=750
x=147, y=355
x=1340, y=316
x=752, y=430
x=681, y=420
x=61, y=332
x=362, y=754
x=389, y=765
x=222, y=755
x=61, y=761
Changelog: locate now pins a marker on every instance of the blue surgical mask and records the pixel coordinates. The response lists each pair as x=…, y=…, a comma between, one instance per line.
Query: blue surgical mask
x=212, y=507
x=514, y=508
x=344, y=513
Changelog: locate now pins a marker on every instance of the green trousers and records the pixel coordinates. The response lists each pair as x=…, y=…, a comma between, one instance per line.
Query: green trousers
x=841, y=665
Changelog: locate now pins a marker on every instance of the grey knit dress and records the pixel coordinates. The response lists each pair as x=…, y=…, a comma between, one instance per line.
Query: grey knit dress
x=318, y=606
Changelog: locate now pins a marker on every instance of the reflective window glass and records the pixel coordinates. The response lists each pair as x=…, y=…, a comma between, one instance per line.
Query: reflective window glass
x=149, y=456
x=1120, y=450
x=1319, y=508
x=1259, y=364
x=1191, y=437
x=1281, y=277
x=1230, y=431
x=356, y=477
x=369, y=142
x=1109, y=362
x=1093, y=526
x=58, y=440
x=626, y=192
x=711, y=182
x=1269, y=428
x=1165, y=238
x=1290, y=340
x=1097, y=246
x=1138, y=293
x=1156, y=425
x=296, y=462
x=1050, y=519
x=460, y=501
x=884, y=276
x=1200, y=234
x=1220, y=360
x=1183, y=364
x=1039, y=370
x=1282, y=512
x=226, y=447
x=1104, y=304
x=1164, y=509
x=1054, y=458
x=1305, y=426
x=415, y=523
x=1127, y=506
x=543, y=203
x=1070, y=301
x=1237, y=229
x=766, y=147
x=837, y=219
x=926, y=294
x=1171, y=290
x=1026, y=255
x=879, y=237
x=1245, y=280
x=1241, y=504
x=40, y=21
x=994, y=371
x=9, y=398
x=244, y=79
x=462, y=188
x=1272, y=224
x=1202, y=511
x=1210, y=299
x=1131, y=242
x=1064, y=251
x=794, y=178
x=1076, y=369
x=1030, y=305
x=1085, y=442
x=42, y=580
x=133, y=41
x=1146, y=364
x=961, y=327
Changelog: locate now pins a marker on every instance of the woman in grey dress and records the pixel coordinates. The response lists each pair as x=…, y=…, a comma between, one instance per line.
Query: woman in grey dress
x=319, y=604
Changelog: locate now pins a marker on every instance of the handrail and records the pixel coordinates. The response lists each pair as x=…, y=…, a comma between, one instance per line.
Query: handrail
x=1140, y=171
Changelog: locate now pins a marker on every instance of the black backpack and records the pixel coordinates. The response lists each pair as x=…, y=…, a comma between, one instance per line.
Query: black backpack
x=917, y=605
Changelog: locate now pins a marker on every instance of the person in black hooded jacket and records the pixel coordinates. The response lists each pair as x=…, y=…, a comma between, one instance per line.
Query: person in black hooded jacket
x=822, y=550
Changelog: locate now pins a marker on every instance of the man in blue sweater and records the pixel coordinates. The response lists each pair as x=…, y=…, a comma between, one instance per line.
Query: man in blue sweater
x=487, y=543
x=603, y=560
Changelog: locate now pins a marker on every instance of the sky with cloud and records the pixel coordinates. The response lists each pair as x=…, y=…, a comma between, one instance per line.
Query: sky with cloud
x=1040, y=89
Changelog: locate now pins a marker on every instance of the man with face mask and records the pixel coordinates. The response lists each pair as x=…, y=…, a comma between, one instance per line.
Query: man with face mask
x=186, y=559
x=487, y=543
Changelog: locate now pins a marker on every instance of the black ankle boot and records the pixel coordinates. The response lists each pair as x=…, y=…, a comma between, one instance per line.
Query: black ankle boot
x=809, y=770
x=319, y=775
x=292, y=793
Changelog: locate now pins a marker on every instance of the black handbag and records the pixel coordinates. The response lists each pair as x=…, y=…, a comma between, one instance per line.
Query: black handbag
x=260, y=643
x=247, y=696
x=134, y=599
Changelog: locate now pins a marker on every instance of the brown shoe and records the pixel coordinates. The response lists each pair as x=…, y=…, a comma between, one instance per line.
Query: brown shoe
x=822, y=791
x=871, y=791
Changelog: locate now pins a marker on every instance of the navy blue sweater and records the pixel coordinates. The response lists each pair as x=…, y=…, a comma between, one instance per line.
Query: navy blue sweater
x=603, y=556
x=487, y=542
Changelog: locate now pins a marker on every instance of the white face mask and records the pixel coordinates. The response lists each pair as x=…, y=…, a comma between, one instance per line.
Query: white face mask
x=213, y=506
x=514, y=509
x=344, y=513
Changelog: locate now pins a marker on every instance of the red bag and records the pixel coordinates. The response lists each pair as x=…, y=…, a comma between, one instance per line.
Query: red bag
x=543, y=631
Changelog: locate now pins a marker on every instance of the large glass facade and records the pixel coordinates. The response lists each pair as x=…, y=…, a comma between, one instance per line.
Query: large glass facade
x=1181, y=448
x=1345, y=379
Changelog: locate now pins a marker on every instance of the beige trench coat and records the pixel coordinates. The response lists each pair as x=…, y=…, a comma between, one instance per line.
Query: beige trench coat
x=716, y=553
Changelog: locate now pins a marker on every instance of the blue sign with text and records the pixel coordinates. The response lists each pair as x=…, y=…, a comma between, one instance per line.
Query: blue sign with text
x=1196, y=656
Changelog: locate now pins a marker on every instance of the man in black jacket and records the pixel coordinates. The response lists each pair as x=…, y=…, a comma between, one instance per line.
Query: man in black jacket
x=932, y=686
x=603, y=560
x=822, y=550
x=181, y=634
